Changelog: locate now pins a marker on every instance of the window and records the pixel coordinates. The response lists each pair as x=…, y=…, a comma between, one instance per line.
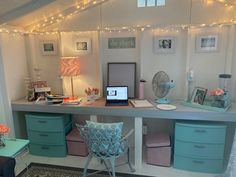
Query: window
x=151, y=3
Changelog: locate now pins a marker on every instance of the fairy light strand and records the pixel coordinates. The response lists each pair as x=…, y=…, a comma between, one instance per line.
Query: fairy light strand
x=40, y=27
x=66, y=14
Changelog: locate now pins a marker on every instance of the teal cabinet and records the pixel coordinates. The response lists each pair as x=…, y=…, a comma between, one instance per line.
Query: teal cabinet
x=203, y=133
x=199, y=149
x=47, y=133
x=198, y=164
x=199, y=146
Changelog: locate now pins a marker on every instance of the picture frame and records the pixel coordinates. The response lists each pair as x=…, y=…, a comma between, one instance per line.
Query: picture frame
x=122, y=74
x=198, y=95
x=122, y=43
x=164, y=44
x=207, y=43
x=48, y=47
x=82, y=46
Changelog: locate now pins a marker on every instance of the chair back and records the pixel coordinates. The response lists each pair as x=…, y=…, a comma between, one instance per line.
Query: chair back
x=103, y=143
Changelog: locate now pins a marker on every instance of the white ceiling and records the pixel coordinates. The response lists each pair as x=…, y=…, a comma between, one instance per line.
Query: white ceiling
x=24, y=13
x=9, y=5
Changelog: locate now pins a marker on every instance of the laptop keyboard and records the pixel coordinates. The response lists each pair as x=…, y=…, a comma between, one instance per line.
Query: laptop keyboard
x=117, y=104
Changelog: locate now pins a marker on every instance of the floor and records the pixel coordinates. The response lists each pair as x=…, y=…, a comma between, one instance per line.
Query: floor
x=76, y=161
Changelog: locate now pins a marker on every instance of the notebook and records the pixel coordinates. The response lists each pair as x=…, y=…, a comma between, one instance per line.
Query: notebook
x=117, y=96
x=141, y=104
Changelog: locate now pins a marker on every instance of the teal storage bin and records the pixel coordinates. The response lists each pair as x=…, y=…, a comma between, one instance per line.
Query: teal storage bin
x=47, y=133
x=215, y=151
x=48, y=150
x=199, y=146
x=203, y=133
x=49, y=138
x=198, y=164
x=47, y=122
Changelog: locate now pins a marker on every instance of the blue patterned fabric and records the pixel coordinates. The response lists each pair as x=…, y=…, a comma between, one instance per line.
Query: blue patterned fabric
x=104, y=142
x=105, y=138
x=107, y=126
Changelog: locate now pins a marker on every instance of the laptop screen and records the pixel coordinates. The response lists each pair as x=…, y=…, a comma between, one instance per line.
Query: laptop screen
x=117, y=93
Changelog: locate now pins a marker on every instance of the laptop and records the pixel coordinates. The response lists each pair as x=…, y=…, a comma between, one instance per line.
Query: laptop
x=117, y=96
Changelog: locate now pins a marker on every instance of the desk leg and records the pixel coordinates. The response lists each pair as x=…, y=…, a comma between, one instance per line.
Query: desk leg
x=93, y=118
x=138, y=142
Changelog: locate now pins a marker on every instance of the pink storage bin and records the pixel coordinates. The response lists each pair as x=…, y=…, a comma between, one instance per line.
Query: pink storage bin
x=75, y=144
x=158, y=149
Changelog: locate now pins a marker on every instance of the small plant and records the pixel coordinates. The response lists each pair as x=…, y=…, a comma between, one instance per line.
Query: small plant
x=91, y=91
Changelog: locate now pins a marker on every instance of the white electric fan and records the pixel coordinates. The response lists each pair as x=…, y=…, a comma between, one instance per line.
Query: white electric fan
x=161, y=85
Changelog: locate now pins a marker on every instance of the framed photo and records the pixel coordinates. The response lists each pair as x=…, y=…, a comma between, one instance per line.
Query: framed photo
x=83, y=46
x=198, y=95
x=121, y=43
x=207, y=43
x=164, y=44
x=48, y=47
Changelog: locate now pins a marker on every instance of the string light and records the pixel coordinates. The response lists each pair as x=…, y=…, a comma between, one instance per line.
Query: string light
x=225, y=3
x=69, y=12
x=41, y=26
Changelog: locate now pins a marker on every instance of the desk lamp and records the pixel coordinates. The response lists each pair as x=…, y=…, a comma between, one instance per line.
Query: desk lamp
x=70, y=67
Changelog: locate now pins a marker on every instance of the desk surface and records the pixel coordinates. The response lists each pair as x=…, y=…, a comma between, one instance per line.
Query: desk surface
x=98, y=108
x=13, y=147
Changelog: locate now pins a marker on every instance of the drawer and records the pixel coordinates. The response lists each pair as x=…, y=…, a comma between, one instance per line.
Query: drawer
x=214, y=151
x=48, y=150
x=47, y=122
x=198, y=164
x=203, y=133
x=49, y=138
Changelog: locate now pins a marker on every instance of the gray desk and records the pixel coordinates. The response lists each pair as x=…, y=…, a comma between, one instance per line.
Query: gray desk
x=98, y=108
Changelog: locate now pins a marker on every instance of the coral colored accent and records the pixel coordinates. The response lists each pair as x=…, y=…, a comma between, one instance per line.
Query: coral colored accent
x=217, y=92
x=69, y=67
x=4, y=129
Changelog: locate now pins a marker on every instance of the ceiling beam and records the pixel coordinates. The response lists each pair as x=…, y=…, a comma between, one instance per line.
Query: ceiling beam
x=23, y=10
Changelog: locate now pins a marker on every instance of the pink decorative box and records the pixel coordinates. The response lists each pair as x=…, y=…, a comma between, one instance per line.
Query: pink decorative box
x=75, y=144
x=158, y=149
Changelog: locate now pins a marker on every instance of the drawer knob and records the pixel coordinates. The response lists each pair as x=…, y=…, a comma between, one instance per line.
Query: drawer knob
x=200, y=131
x=45, y=148
x=199, y=146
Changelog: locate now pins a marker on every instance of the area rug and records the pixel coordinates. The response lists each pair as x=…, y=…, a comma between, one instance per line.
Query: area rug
x=46, y=170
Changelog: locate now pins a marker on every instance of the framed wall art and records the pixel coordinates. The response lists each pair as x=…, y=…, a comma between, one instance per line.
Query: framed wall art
x=164, y=44
x=207, y=43
x=198, y=95
x=122, y=74
x=121, y=43
x=48, y=47
x=83, y=45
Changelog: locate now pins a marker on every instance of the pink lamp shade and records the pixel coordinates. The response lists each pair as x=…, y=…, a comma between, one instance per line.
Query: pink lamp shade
x=69, y=67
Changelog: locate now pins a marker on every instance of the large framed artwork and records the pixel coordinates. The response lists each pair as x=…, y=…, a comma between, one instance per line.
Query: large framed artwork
x=48, y=47
x=164, y=44
x=207, y=43
x=121, y=43
x=83, y=46
x=122, y=74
